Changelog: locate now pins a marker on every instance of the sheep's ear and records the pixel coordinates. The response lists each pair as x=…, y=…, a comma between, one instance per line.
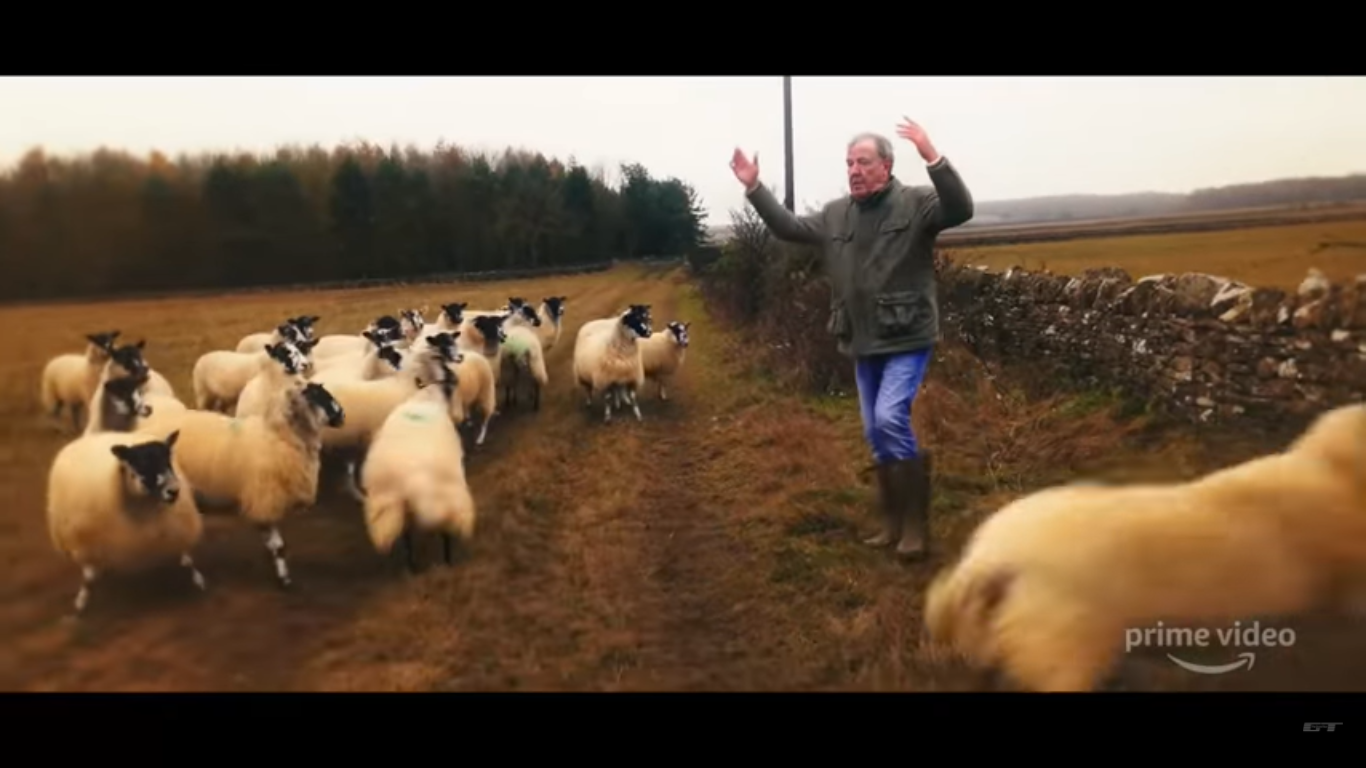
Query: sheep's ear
x=270, y=349
x=687, y=325
x=121, y=452
x=311, y=319
x=306, y=346
x=171, y=438
x=141, y=343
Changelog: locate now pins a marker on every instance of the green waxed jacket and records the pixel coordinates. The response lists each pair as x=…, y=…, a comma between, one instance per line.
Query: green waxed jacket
x=879, y=254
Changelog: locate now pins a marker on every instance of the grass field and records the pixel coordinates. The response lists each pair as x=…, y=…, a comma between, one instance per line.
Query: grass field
x=713, y=546
x=1204, y=221
x=1276, y=255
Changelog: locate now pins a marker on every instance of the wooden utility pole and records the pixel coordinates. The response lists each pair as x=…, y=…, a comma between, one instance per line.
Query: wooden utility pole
x=790, y=200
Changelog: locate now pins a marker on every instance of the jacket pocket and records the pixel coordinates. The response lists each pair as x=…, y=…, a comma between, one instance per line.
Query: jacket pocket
x=838, y=325
x=898, y=313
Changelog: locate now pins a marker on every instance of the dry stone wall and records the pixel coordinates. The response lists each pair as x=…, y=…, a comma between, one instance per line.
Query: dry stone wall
x=1206, y=347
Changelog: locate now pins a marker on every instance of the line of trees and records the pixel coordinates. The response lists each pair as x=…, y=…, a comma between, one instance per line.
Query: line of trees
x=109, y=222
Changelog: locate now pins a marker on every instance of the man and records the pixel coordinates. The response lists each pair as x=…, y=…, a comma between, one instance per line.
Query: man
x=878, y=247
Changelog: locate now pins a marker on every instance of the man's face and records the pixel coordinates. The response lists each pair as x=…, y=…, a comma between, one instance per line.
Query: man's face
x=867, y=172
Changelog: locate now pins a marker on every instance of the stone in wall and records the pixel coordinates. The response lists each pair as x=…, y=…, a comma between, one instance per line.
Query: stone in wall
x=1206, y=346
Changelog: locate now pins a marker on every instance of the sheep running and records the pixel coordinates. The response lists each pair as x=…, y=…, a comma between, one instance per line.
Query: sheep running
x=116, y=502
x=1047, y=587
x=67, y=378
x=662, y=354
x=414, y=469
x=607, y=360
x=265, y=466
x=263, y=422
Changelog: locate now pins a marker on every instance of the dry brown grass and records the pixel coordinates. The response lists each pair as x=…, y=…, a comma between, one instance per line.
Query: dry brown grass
x=713, y=546
x=1275, y=256
x=1202, y=221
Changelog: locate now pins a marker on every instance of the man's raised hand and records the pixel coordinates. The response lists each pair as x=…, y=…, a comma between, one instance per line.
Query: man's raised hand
x=912, y=132
x=746, y=170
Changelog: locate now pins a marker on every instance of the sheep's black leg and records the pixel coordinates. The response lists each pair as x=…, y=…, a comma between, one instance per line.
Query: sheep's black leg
x=536, y=396
x=275, y=545
x=88, y=576
x=408, y=545
x=446, y=547
x=187, y=562
x=76, y=410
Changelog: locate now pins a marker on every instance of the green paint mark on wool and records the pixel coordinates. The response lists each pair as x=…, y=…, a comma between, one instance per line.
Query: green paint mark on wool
x=417, y=416
x=517, y=345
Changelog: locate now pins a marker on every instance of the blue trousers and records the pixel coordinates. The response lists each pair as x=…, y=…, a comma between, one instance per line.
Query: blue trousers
x=887, y=385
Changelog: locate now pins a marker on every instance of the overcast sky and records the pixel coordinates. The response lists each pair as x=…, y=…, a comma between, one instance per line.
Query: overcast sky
x=1009, y=137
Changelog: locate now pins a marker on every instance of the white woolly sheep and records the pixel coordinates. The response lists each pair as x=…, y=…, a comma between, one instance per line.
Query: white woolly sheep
x=118, y=404
x=67, y=378
x=387, y=326
x=118, y=501
x=129, y=358
x=1048, y=587
x=368, y=403
x=220, y=376
x=484, y=334
x=551, y=313
x=379, y=361
x=662, y=354
x=477, y=390
x=450, y=318
x=293, y=330
x=265, y=466
x=414, y=470
x=288, y=366
x=607, y=358
x=522, y=359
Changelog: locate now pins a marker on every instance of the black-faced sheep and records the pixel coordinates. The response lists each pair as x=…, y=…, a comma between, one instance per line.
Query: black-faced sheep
x=607, y=360
x=220, y=376
x=70, y=379
x=118, y=404
x=294, y=330
x=662, y=355
x=115, y=502
x=551, y=312
x=288, y=365
x=265, y=466
x=386, y=326
x=379, y=361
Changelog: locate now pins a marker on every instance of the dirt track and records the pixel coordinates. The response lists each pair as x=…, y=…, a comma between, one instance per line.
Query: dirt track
x=711, y=547
x=602, y=558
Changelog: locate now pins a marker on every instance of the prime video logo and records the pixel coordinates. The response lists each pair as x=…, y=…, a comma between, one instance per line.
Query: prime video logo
x=1237, y=636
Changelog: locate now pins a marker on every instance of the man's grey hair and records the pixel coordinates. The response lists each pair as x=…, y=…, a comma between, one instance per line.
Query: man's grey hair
x=882, y=143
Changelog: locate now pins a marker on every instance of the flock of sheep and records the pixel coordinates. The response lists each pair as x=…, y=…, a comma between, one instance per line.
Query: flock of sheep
x=388, y=402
